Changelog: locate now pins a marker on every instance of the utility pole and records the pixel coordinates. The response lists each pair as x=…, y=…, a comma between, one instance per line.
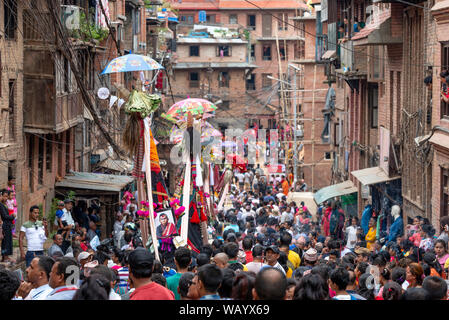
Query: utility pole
x=313, y=127
x=295, y=160
x=280, y=74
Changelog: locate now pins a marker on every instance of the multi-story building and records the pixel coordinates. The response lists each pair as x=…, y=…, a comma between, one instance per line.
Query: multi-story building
x=439, y=109
x=56, y=137
x=214, y=67
x=393, y=125
x=314, y=161
x=12, y=153
x=271, y=40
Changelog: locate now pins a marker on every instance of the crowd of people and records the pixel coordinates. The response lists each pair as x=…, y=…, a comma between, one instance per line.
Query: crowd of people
x=262, y=248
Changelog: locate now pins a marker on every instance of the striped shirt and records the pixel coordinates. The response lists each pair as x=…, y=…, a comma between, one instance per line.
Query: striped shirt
x=123, y=284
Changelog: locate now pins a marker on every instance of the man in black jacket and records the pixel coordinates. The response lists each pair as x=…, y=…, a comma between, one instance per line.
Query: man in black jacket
x=6, y=227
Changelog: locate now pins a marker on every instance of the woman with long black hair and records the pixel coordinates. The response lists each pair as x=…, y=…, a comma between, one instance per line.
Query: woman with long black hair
x=431, y=266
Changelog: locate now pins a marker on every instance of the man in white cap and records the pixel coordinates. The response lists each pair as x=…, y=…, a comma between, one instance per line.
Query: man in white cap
x=83, y=258
x=310, y=257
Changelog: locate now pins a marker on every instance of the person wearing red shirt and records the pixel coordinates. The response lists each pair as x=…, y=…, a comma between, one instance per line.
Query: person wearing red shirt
x=247, y=245
x=140, y=270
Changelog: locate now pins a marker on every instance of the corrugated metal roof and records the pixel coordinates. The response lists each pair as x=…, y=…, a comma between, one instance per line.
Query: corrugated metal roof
x=198, y=65
x=182, y=40
x=372, y=176
x=304, y=18
x=335, y=190
x=116, y=165
x=94, y=181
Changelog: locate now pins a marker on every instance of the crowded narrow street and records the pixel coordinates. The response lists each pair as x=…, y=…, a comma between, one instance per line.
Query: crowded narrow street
x=227, y=150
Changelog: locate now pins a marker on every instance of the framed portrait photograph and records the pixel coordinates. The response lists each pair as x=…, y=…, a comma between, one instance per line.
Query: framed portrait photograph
x=165, y=224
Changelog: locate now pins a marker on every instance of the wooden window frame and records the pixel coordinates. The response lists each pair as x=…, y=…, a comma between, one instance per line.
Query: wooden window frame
x=10, y=25
x=282, y=19
x=211, y=15
x=217, y=52
x=263, y=53
x=49, y=153
x=194, y=83
x=265, y=80
x=231, y=16
x=224, y=82
x=253, y=87
x=190, y=51
x=40, y=161
x=283, y=47
x=374, y=60
x=12, y=110
x=444, y=210
x=371, y=106
x=444, y=107
x=251, y=27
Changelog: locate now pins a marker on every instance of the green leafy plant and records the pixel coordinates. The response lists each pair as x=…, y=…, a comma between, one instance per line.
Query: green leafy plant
x=150, y=3
x=52, y=214
x=247, y=34
x=71, y=195
x=89, y=31
x=41, y=211
x=54, y=207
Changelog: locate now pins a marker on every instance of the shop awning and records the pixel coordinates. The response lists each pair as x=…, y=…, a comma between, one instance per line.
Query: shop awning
x=94, y=181
x=334, y=190
x=372, y=176
x=329, y=54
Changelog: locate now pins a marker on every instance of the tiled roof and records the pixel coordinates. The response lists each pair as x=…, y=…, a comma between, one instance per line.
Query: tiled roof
x=365, y=32
x=195, y=5
x=264, y=4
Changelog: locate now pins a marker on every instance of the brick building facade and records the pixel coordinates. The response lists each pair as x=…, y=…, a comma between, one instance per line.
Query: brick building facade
x=264, y=34
x=393, y=124
x=315, y=166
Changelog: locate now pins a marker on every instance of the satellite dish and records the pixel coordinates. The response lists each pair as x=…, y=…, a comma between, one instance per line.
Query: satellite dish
x=103, y=93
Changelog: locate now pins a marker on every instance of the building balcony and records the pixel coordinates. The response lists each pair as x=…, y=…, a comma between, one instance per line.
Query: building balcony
x=353, y=60
x=52, y=103
x=377, y=33
x=45, y=113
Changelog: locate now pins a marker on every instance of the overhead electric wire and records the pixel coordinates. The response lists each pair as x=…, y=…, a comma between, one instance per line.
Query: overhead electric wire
x=336, y=44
